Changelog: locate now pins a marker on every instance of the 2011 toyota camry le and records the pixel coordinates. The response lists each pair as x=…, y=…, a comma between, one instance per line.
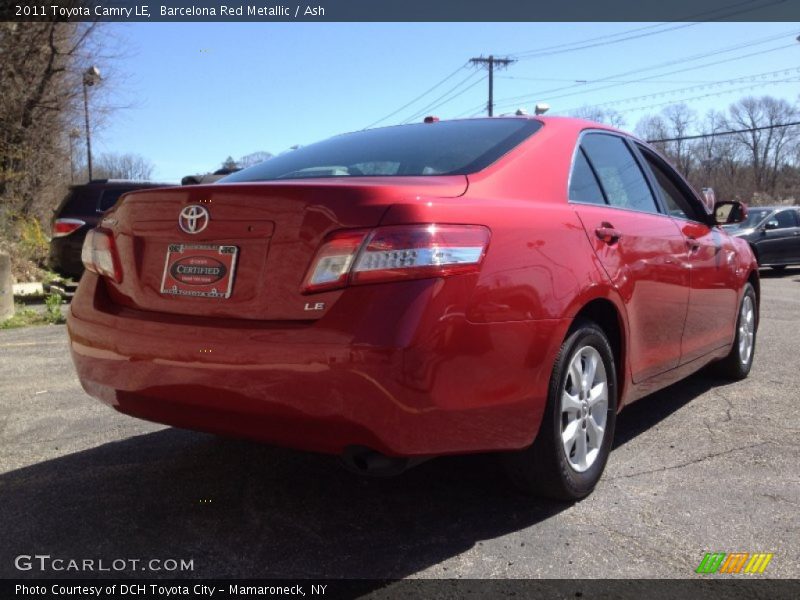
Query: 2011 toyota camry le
x=496, y=284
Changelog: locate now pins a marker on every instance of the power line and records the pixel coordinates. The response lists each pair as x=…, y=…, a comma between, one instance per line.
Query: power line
x=422, y=95
x=701, y=86
x=669, y=63
x=542, y=95
x=589, y=81
x=602, y=37
x=719, y=133
x=539, y=54
x=446, y=97
x=630, y=34
x=712, y=94
x=490, y=62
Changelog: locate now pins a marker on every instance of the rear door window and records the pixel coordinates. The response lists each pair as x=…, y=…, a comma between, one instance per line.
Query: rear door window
x=583, y=185
x=619, y=173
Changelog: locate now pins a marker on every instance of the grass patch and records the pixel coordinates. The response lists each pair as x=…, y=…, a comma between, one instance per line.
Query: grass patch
x=27, y=317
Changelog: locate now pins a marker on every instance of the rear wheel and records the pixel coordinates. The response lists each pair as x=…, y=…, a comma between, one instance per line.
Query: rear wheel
x=737, y=364
x=570, y=452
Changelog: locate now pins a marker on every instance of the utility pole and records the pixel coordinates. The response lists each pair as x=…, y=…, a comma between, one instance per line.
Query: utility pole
x=490, y=62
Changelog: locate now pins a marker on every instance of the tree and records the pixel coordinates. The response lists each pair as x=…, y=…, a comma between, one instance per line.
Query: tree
x=680, y=120
x=248, y=160
x=122, y=166
x=40, y=84
x=229, y=164
x=767, y=146
x=675, y=121
x=608, y=116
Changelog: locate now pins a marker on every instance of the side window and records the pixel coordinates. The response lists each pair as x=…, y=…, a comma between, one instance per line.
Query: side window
x=785, y=218
x=679, y=202
x=619, y=173
x=583, y=186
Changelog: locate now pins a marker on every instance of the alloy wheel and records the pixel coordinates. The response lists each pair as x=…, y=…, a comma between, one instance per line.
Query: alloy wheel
x=584, y=408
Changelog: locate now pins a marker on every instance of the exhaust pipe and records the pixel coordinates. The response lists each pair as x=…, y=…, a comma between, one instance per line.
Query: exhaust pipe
x=366, y=461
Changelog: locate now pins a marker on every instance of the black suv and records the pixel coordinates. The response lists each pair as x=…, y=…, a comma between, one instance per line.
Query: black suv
x=79, y=212
x=773, y=233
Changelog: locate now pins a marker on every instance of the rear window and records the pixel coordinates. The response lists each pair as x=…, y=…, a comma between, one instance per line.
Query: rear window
x=109, y=198
x=445, y=148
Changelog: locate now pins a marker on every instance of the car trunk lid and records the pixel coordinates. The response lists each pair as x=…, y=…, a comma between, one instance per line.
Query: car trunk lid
x=276, y=228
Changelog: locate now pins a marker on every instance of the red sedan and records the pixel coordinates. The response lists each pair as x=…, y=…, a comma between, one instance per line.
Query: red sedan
x=501, y=284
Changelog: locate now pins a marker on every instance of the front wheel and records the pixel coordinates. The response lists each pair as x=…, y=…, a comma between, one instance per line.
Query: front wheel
x=570, y=452
x=737, y=364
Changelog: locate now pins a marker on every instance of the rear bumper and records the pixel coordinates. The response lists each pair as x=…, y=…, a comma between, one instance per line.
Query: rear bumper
x=65, y=254
x=398, y=381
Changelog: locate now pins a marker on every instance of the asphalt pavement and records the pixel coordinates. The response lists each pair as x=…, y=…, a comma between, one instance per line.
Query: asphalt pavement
x=703, y=466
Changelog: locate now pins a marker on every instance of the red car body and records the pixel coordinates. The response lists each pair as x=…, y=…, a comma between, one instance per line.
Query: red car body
x=410, y=367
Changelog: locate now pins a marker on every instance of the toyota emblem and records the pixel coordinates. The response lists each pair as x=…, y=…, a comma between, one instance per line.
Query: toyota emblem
x=193, y=218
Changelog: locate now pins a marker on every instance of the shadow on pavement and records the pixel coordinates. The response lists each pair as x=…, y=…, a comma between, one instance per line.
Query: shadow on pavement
x=650, y=410
x=770, y=273
x=244, y=510
x=240, y=509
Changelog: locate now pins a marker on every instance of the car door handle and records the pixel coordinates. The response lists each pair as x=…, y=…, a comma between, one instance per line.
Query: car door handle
x=607, y=234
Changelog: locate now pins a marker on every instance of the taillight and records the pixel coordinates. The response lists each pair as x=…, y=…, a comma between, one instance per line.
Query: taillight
x=395, y=253
x=99, y=254
x=332, y=263
x=62, y=227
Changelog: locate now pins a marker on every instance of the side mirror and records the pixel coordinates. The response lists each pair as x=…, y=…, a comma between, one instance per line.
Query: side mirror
x=771, y=224
x=729, y=212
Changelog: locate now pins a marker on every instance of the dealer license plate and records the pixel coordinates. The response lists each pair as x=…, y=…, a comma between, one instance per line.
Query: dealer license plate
x=199, y=270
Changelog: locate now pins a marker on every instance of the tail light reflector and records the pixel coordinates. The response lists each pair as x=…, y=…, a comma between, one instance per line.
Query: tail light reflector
x=395, y=253
x=99, y=254
x=62, y=227
x=332, y=263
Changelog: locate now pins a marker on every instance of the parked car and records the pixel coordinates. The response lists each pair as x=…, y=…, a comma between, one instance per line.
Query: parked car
x=208, y=177
x=497, y=284
x=773, y=233
x=79, y=212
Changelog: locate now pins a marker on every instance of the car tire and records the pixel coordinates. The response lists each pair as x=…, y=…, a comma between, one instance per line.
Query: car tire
x=779, y=267
x=739, y=361
x=567, y=458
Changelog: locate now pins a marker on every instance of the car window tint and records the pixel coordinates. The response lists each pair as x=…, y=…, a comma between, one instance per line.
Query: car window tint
x=679, y=203
x=583, y=185
x=109, y=198
x=619, y=173
x=785, y=218
x=443, y=148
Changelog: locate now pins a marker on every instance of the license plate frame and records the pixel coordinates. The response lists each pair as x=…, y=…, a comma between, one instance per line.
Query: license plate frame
x=199, y=270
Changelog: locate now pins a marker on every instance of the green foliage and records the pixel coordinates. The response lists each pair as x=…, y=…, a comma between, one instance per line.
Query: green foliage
x=33, y=244
x=53, y=312
x=22, y=318
x=26, y=317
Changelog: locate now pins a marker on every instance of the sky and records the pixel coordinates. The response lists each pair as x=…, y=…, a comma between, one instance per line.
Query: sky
x=196, y=93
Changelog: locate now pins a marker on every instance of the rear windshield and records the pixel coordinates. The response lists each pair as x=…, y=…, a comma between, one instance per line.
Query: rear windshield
x=109, y=198
x=444, y=148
